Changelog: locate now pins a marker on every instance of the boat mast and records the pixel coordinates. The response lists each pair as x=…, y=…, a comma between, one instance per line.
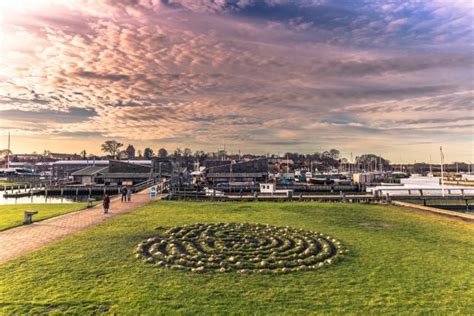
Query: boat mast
x=431, y=170
x=442, y=172
x=8, y=152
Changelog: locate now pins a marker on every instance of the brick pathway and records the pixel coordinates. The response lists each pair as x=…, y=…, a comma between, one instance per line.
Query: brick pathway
x=18, y=241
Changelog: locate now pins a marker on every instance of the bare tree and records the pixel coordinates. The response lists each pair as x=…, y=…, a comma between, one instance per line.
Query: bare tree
x=111, y=147
x=5, y=152
x=84, y=154
x=178, y=152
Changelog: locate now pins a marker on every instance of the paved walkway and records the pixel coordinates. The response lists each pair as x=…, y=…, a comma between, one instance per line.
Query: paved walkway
x=458, y=215
x=18, y=241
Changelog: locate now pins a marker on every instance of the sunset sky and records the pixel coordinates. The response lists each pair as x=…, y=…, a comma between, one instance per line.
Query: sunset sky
x=389, y=77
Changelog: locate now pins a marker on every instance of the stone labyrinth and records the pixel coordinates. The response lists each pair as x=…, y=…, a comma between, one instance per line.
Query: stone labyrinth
x=245, y=248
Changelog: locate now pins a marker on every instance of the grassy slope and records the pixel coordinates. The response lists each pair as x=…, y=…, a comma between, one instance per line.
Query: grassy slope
x=12, y=215
x=399, y=262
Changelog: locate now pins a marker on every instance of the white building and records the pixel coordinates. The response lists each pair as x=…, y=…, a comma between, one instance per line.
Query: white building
x=419, y=180
x=270, y=188
x=467, y=177
x=418, y=185
x=363, y=178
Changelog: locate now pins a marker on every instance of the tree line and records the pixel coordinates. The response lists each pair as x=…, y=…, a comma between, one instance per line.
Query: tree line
x=330, y=157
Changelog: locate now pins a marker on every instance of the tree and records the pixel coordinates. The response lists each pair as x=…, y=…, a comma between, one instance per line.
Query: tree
x=187, y=152
x=221, y=154
x=334, y=154
x=84, y=154
x=139, y=153
x=148, y=153
x=178, y=152
x=372, y=162
x=200, y=154
x=130, y=151
x=5, y=152
x=162, y=153
x=111, y=147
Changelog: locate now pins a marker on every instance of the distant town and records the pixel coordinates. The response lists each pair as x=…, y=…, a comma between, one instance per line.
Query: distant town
x=125, y=164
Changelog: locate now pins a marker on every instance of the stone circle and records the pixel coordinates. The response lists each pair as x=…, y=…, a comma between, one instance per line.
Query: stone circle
x=244, y=248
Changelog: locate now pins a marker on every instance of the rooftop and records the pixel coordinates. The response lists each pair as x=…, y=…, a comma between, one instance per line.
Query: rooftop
x=90, y=171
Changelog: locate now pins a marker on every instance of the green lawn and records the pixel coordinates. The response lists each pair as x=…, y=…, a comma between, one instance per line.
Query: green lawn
x=399, y=262
x=12, y=215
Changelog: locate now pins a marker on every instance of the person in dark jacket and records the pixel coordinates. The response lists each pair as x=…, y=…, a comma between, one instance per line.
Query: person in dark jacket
x=124, y=192
x=106, y=203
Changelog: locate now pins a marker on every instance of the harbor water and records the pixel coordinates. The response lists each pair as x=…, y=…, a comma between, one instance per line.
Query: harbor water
x=42, y=199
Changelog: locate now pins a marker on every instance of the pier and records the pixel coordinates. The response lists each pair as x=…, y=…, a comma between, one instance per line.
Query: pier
x=461, y=201
x=69, y=190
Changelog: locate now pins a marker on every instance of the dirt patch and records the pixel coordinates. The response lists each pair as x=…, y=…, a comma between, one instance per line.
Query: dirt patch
x=375, y=225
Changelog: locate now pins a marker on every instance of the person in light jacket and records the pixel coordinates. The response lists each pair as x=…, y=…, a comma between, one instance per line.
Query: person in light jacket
x=129, y=194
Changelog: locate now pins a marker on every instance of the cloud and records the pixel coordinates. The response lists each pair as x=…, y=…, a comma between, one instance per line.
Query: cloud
x=73, y=115
x=99, y=76
x=272, y=73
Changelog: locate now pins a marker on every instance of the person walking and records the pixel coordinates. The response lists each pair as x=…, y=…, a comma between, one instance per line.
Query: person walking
x=129, y=194
x=124, y=192
x=106, y=203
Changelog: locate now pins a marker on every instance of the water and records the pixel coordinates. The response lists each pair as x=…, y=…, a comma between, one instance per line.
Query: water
x=456, y=208
x=41, y=199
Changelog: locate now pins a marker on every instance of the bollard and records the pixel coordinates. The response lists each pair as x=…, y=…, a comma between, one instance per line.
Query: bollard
x=89, y=203
x=28, y=217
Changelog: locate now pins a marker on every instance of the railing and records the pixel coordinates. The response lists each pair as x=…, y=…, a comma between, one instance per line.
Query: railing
x=421, y=192
x=149, y=183
x=143, y=185
x=202, y=196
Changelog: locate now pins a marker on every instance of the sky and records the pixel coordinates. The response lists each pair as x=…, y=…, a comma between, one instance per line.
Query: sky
x=364, y=76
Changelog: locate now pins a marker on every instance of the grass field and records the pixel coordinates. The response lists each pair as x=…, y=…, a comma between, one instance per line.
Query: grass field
x=12, y=215
x=399, y=262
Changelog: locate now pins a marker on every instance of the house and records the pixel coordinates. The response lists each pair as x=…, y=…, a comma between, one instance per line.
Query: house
x=242, y=171
x=126, y=172
x=270, y=188
x=62, y=169
x=88, y=175
x=123, y=155
x=363, y=178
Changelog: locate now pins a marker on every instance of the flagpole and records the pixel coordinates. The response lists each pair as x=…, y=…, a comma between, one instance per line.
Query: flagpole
x=442, y=172
x=8, y=152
